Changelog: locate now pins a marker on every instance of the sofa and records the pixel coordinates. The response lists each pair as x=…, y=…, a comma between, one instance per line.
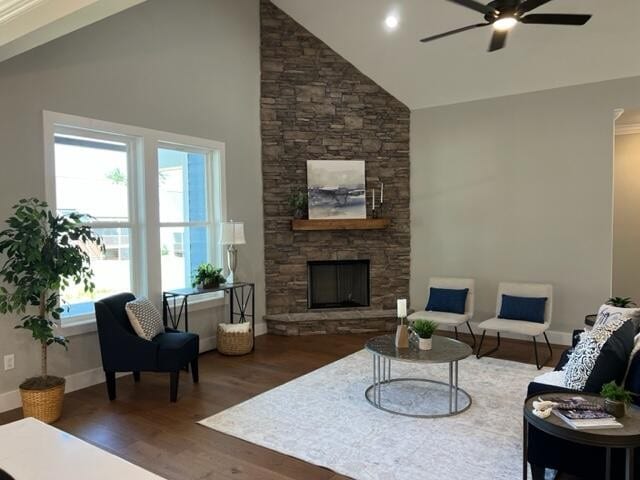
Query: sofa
x=585, y=462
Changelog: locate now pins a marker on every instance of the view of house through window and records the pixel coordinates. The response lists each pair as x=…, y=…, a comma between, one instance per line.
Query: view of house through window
x=185, y=228
x=99, y=174
x=91, y=178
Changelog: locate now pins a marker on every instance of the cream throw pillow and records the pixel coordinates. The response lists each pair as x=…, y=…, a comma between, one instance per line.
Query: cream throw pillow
x=145, y=319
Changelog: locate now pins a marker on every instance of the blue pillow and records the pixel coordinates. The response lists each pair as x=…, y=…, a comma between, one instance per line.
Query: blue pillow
x=528, y=309
x=447, y=300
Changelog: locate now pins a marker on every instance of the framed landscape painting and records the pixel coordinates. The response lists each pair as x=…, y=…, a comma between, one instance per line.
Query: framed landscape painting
x=336, y=189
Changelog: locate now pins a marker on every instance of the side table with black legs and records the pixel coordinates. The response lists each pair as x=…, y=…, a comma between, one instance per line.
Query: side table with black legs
x=242, y=304
x=626, y=438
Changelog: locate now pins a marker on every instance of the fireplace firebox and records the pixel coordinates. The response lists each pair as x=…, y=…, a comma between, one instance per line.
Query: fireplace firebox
x=338, y=284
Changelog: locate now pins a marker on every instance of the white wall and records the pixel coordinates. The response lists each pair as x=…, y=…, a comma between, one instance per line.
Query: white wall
x=518, y=188
x=189, y=67
x=626, y=217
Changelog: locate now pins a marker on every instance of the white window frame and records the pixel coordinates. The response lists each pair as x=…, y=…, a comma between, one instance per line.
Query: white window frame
x=144, y=211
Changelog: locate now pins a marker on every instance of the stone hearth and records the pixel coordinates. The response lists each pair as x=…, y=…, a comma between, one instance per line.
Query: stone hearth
x=325, y=322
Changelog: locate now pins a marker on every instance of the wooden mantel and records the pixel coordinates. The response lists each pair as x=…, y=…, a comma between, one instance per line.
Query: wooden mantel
x=339, y=224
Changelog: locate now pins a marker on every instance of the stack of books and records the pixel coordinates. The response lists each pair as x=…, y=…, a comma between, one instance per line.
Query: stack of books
x=581, y=414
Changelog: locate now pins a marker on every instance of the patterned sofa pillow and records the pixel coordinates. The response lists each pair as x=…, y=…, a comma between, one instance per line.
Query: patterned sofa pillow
x=607, y=313
x=601, y=355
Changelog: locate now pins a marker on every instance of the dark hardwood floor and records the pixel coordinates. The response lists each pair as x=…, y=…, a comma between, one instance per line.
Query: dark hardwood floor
x=143, y=427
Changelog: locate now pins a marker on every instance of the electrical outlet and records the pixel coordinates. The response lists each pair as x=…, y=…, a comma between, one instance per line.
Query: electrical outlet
x=9, y=362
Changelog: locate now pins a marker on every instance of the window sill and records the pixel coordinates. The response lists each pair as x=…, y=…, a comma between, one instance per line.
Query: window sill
x=83, y=324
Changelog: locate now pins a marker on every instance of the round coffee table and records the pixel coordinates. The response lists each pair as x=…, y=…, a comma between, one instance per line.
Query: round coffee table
x=627, y=437
x=445, y=350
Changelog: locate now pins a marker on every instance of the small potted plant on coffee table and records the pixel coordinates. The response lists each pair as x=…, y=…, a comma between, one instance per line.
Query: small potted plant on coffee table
x=207, y=277
x=425, y=330
x=616, y=399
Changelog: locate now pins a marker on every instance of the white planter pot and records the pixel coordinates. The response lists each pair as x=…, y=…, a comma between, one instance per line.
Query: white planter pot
x=425, y=343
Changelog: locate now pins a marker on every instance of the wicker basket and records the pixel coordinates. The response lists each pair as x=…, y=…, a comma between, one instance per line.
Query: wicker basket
x=234, y=343
x=45, y=405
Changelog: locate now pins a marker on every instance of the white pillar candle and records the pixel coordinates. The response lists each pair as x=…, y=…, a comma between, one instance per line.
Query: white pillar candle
x=373, y=196
x=402, y=307
x=381, y=193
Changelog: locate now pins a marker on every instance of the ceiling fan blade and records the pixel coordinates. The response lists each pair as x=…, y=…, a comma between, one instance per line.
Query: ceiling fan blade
x=556, y=19
x=498, y=40
x=453, y=32
x=529, y=5
x=477, y=6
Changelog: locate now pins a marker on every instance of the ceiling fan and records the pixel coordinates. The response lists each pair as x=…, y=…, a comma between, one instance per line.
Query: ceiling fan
x=503, y=15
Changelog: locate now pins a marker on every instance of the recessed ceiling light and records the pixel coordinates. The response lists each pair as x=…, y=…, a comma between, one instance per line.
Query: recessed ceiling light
x=391, y=21
x=505, y=23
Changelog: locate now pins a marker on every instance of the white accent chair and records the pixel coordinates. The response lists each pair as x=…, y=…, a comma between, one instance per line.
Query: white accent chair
x=452, y=319
x=520, y=327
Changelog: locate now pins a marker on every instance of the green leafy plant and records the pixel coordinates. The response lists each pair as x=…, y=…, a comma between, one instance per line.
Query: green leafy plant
x=614, y=392
x=424, y=328
x=299, y=200
x=45, y=253
x=621, y=302
x=208, y=276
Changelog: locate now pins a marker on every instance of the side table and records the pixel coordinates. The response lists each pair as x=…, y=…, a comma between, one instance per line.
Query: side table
x=242, y=304
x=627, y=438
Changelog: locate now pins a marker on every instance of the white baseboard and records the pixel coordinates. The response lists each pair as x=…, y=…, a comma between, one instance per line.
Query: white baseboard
x=555, y=337
x=75, y=381
x=261, y=328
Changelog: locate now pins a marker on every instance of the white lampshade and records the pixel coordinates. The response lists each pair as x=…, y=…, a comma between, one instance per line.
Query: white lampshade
x=232, y=233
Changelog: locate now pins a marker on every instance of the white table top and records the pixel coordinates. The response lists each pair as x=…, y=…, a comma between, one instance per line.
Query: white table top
x=33, y=450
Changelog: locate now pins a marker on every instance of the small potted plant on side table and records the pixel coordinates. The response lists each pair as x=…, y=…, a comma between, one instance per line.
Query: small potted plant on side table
x=616, y=399
x=208, y=277
x=425, y=330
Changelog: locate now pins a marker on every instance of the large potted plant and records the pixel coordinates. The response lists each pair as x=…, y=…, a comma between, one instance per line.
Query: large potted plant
x=45, y=253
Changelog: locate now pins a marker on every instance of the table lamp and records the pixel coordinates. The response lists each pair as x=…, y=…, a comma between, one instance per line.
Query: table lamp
x=232, y=235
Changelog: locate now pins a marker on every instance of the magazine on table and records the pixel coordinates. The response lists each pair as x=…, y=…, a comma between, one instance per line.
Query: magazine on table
x=582, y=414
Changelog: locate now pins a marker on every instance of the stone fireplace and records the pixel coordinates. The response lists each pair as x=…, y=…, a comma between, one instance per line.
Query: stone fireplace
x=315, y=105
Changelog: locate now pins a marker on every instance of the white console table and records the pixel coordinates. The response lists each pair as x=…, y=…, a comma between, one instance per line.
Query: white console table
x=32, y=450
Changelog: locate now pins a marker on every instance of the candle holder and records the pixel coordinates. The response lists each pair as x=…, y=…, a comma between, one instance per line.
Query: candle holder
x=402, y=335
x=374, y=213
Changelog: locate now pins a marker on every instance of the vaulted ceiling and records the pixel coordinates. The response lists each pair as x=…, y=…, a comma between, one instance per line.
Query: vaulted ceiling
x=458, y=68
x=25, y=24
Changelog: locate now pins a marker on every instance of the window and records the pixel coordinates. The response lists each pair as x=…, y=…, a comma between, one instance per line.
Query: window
x=154, y=197
x=186, y=223
x=89, y=170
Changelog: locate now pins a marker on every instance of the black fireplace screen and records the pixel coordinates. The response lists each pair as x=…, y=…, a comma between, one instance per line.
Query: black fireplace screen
x=338, y=284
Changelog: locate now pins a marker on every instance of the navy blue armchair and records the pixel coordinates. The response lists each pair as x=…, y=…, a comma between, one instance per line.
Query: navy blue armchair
x=123, y=350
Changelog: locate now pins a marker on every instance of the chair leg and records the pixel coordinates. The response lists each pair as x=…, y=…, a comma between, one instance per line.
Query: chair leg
x=535, y=350
x=455, y=329
x=473, y=336
x=173, y=393
x=136, y=377
x=194, y=370
x=495, y=349
x=111, y=384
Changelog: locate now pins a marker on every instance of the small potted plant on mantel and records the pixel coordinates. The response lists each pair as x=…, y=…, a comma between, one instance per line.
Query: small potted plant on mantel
x=616, y=399
x=207, y=277
x=425, y=330
x=46, y=253
x=299, y=201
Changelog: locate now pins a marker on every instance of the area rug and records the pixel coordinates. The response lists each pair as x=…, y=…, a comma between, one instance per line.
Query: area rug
x=324, y=419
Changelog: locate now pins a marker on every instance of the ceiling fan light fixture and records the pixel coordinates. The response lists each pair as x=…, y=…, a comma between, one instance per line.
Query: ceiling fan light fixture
x=504, y=24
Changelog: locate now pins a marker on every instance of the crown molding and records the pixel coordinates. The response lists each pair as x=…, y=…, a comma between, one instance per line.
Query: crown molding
x=628, y=129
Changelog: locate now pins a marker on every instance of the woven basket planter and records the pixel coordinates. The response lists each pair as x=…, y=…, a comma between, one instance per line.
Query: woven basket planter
x=234, y=343
x=45, y=405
